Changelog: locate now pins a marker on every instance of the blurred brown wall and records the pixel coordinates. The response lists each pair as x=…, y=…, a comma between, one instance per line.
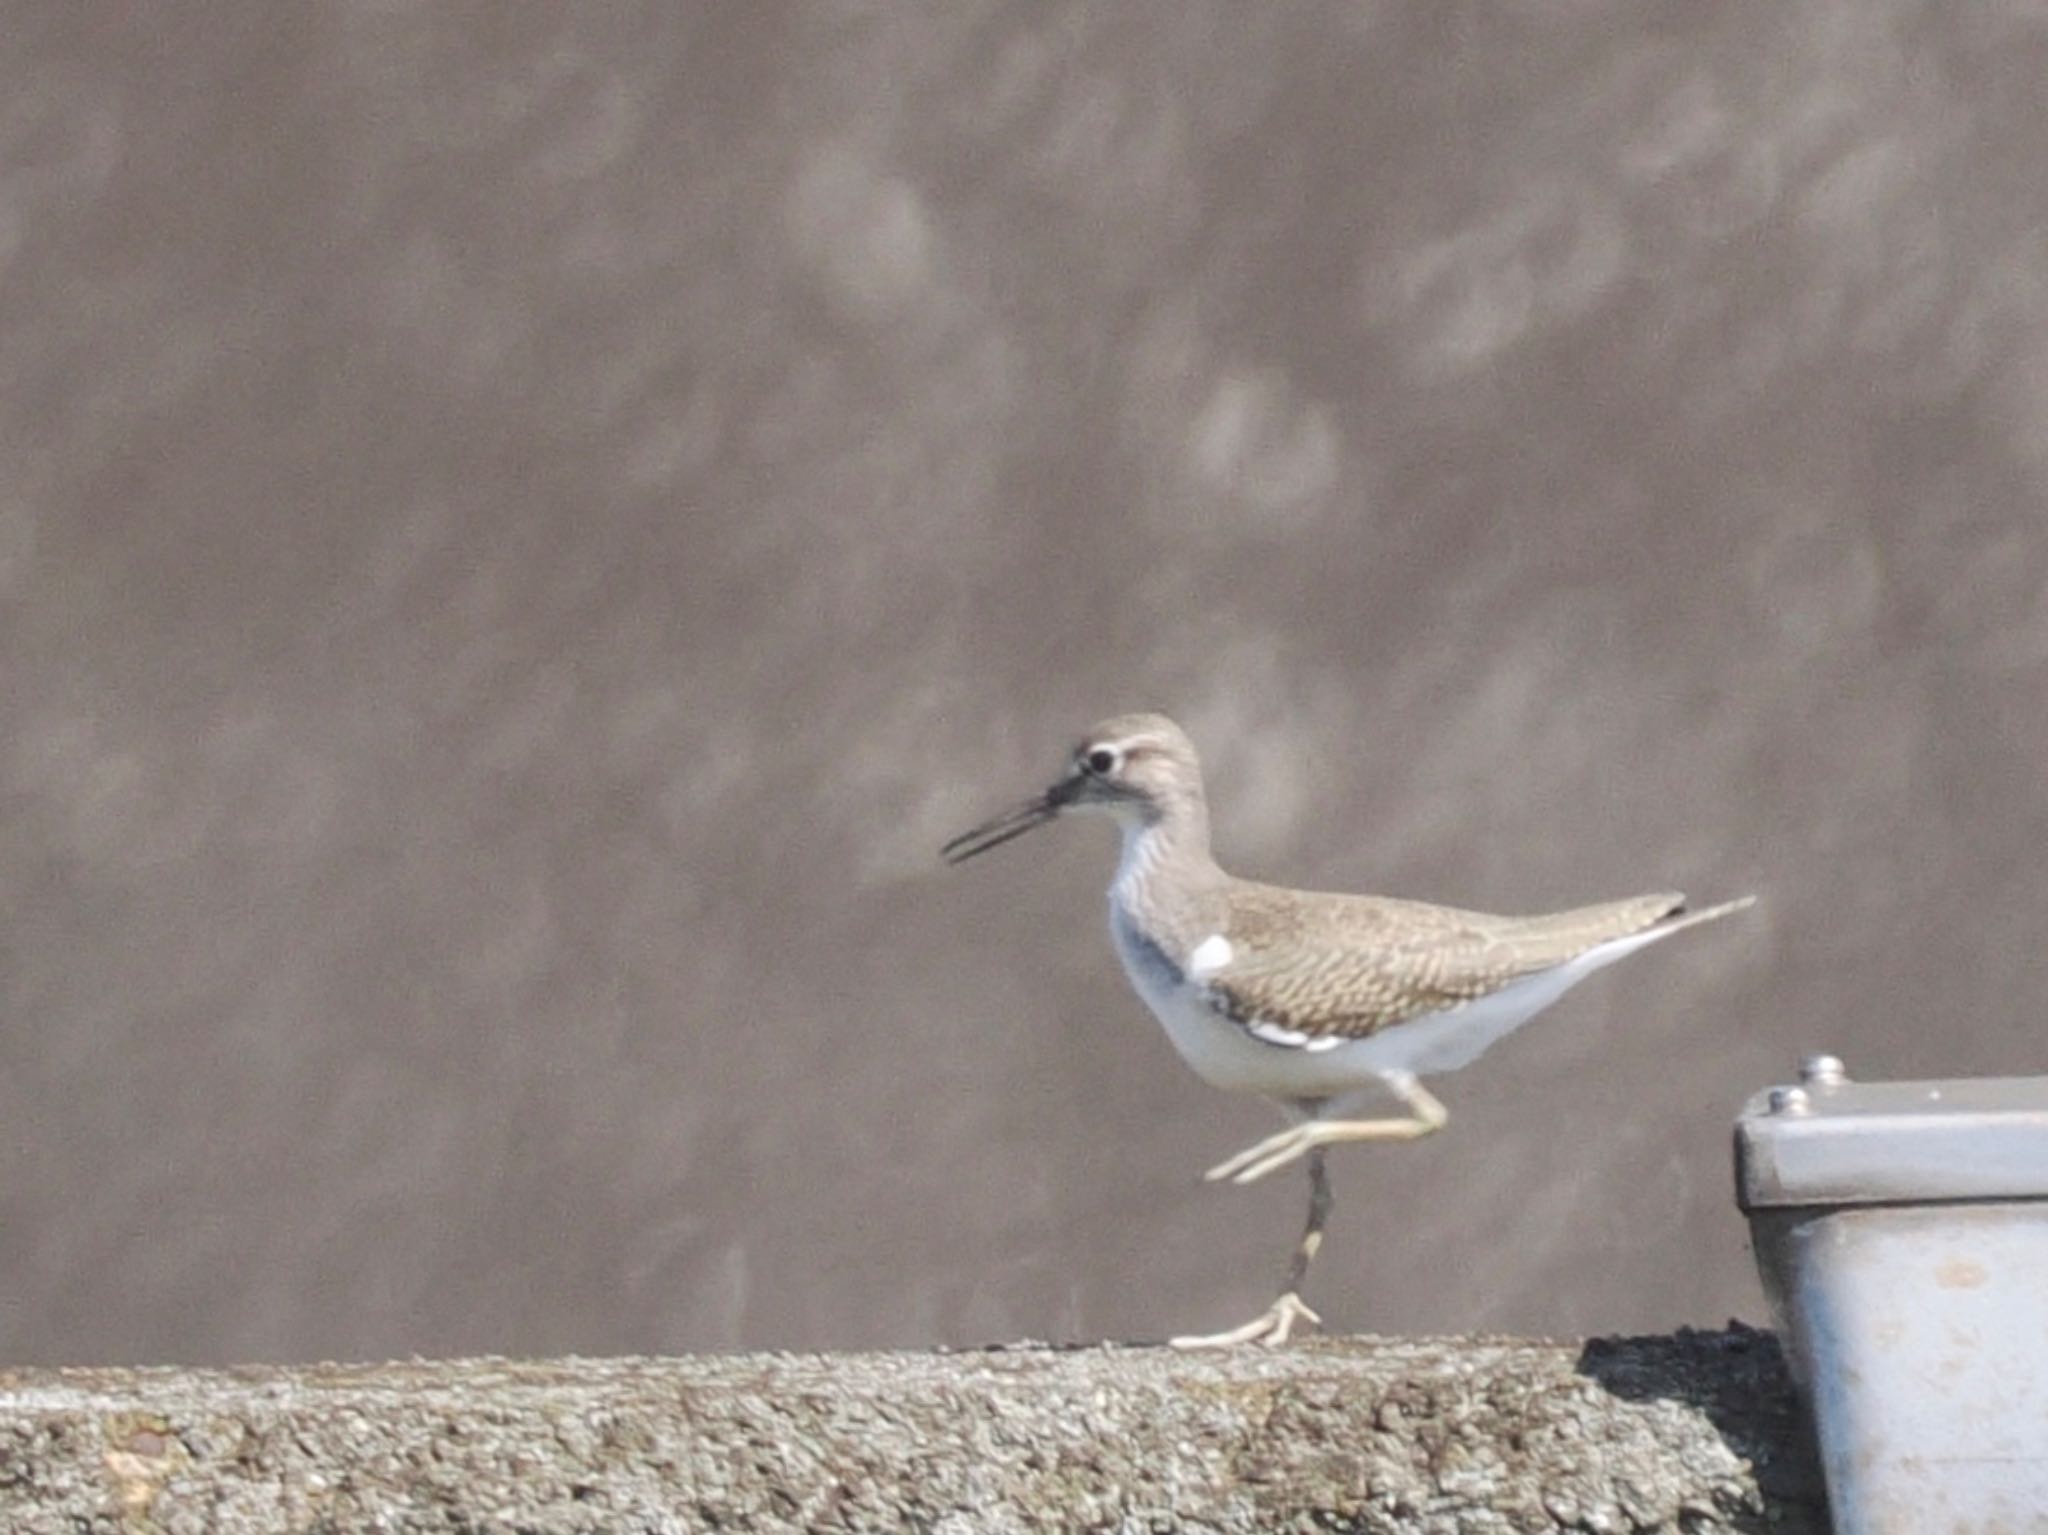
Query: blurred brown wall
x=523, y=527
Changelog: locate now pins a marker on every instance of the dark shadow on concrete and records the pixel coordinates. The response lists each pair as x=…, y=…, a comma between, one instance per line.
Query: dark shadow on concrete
x=1737, y=1379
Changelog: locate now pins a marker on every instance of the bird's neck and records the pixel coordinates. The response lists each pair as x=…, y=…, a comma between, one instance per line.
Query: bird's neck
x=1167, y=881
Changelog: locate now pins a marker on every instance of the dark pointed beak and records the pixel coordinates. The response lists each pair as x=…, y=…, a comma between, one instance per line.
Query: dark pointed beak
x=1013, y=822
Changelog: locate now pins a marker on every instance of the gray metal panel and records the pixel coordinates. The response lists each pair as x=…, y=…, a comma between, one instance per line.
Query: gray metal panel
x=1834, y=1142
x=1918, y=1335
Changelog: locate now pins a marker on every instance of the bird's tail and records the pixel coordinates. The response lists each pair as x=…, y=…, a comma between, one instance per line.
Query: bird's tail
x=1684, y=919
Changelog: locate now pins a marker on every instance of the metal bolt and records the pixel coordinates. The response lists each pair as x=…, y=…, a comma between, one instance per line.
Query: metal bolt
x=1790, y=1100
x=1823, y=1071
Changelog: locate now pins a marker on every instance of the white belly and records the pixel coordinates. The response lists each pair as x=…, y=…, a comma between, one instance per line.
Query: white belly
x=1225, y=1056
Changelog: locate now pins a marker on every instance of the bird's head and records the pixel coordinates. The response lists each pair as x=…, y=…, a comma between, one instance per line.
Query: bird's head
x=1138, y=768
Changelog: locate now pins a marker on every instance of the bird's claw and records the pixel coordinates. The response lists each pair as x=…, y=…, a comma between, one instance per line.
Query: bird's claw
x=1269, y=1329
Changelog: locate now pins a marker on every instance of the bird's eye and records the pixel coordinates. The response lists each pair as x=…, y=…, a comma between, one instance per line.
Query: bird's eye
x=1102, y=760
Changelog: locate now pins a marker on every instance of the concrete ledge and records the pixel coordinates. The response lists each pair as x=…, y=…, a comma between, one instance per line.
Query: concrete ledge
x=1691, y=1433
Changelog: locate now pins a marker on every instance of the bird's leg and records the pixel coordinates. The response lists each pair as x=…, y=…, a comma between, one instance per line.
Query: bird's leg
x=1272, y=1326
x=1425, y=1117
x=1312, y=1234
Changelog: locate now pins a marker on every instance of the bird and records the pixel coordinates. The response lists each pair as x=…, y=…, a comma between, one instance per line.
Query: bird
x=1321, y=1002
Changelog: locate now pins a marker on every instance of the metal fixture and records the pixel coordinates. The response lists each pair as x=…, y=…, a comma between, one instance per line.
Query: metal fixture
x=1901, y=1229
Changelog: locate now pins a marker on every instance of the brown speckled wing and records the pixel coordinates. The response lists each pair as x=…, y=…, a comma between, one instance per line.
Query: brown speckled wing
x=1329, y=967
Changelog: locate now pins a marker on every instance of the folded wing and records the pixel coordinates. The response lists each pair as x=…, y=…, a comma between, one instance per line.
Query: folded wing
x=1345, y=967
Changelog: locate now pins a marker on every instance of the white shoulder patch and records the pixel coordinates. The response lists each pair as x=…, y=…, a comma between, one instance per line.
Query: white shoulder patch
x=1210, y=955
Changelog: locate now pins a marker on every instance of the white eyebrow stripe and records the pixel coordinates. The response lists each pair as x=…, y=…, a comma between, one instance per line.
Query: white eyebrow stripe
x=1212, y=954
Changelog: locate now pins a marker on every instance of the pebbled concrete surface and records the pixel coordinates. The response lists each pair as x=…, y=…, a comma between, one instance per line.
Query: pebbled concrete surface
x=1453, y=1437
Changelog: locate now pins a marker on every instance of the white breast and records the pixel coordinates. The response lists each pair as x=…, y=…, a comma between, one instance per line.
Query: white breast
x=1218, y=1050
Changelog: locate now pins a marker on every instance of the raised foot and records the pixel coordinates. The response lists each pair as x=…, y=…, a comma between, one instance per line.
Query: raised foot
x=1276, y=1151
x=1270, y=1328
x=1426, y=1117
x=1255, y=1162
